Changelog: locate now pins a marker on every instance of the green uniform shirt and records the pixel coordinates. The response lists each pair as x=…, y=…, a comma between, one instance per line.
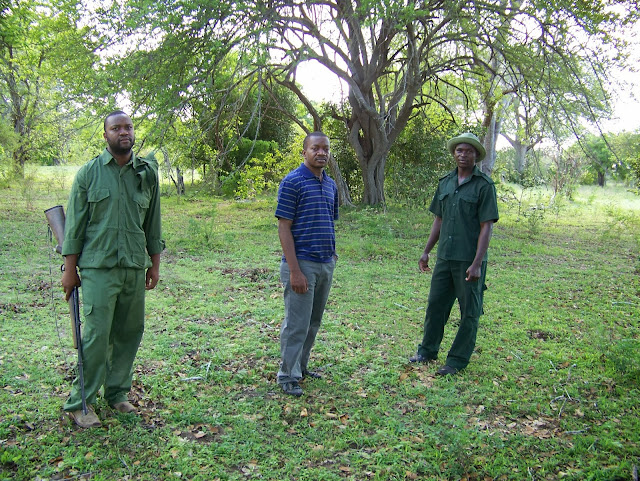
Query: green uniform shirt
x=113, y=215
x=462, y=209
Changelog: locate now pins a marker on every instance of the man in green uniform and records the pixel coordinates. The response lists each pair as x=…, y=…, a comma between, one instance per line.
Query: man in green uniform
x=465, y=207
x=112, y=234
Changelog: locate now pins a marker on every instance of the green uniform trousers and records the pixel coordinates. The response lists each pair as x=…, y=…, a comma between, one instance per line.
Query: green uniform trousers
x=111, y=333
x=448, y=284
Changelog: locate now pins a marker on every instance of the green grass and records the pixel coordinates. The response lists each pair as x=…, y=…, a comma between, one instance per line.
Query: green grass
x=552, y=391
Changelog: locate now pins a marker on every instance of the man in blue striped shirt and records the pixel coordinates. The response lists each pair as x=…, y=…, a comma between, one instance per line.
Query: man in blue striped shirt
x=306, y=211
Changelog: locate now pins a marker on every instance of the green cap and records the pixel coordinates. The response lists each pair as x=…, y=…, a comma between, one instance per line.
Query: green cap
x=468, y=138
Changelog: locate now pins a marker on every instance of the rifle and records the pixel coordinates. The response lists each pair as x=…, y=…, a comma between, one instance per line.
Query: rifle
x=56, y=220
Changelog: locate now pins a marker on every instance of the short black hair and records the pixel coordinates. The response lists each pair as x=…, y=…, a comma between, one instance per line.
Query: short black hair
x=317, y=133
x=115, y=112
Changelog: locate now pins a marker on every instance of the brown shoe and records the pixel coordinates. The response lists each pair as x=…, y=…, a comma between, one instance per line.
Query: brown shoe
x=124, y=407
x=89, y=420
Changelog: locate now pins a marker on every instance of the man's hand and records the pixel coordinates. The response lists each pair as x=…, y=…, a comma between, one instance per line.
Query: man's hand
x=298, y=282
x=434, y=235
x=474, y=270
x=70, y=280
x=473, y=273
x=153, y=276
x=423, y=263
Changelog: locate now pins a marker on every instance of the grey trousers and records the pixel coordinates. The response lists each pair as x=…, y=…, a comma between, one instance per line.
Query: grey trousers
x=302, y=317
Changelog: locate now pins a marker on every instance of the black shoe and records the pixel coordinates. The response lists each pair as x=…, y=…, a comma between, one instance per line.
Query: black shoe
x=446, y=371
x=313, y=374
x=292, y=388
x=420, y=358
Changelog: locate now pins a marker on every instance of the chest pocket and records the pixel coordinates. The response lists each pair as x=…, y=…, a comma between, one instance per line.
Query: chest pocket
x=442, y=201
x=469, y=205
x=98, y=200
x=142, y=200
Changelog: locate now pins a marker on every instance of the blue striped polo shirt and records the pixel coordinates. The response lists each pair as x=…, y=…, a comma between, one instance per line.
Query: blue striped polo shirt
x=312, y=205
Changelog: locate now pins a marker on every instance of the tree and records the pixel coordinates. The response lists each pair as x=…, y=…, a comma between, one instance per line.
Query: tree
x=40, y=49
x=527, y=134
x=544, y=76
x=625, y=147
x=397, y=57
x=611, y=155
x=190, y=66
x=597, y=157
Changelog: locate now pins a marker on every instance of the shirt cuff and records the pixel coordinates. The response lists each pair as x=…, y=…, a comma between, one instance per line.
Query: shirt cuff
x=155, y=246
x=71, y=246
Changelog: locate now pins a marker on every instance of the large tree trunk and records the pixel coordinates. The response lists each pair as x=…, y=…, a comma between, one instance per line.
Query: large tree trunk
x=372, y=159
x=180, y=181
x=18, y=118
x=521, y=151
x=369, y=139
x=490, y=140
x=373, y=178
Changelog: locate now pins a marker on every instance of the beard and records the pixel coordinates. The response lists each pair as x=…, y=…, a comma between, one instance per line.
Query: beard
x=117, y=149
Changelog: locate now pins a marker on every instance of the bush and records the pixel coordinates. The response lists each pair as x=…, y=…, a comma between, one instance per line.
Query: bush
x=419, y=158
x=259, y=175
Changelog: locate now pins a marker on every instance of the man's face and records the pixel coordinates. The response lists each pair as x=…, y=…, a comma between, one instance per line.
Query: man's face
x=316, y=153
x=465, y=155
x=118, y=133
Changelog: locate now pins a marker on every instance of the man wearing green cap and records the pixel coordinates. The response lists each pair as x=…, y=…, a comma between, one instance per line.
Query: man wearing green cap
x=465, y=207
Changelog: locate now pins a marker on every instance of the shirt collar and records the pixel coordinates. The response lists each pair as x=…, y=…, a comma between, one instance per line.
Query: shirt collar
x=106, y=157
x=306, y=172
x=476, y=171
